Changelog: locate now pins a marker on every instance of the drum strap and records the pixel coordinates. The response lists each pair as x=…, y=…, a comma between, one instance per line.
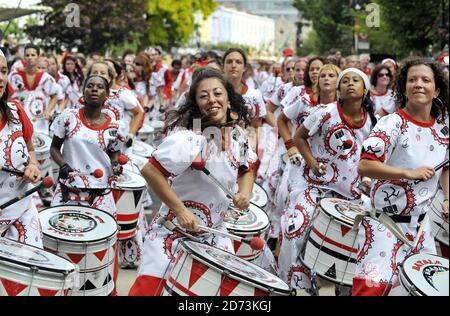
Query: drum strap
x=386, y=221
x=93, y=194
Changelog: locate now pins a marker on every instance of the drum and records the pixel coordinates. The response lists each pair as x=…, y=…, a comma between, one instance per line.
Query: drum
x=423, y=275
x=439, y=224
x=142, y=149
x=203, y=270
x=41, y=144
x=332, y=246
x=128, y=194
x=87, y=237
x=146, y=133
x=255, y=223
x=29, y=271
x=259, y=196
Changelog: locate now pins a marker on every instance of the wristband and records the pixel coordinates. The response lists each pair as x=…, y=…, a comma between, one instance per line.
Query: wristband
x=289, y=144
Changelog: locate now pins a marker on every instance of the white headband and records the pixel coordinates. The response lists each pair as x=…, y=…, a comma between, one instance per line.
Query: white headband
x=359, y=73
x=1, y=54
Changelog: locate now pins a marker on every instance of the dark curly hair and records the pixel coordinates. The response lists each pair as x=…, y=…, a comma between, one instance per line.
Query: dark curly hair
x=184, y=117
x=441, y=83
x=307, y=80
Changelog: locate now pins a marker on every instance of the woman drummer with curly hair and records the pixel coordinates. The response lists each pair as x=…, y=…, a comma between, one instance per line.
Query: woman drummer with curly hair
x=206, y=126
x=400, y=155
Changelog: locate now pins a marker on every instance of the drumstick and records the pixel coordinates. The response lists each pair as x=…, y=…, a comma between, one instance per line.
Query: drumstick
x=255, y=243
x=16, y=172
x=172, y=227
x=200, y=164
x=98, y=173
x=347, y=144
x=439, y=166
x=47, y=182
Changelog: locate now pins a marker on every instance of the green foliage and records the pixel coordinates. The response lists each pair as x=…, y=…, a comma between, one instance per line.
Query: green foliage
x=172, y=21
x=309, y=45
x=14, y=30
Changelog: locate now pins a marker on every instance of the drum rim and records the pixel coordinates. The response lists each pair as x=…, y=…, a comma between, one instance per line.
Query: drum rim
x=254, y=230
x=344, y=219
x=408, y=279
x=247, y=280
x=267, y=196
x=80, y=242
x=116, y=186
x=23, y=264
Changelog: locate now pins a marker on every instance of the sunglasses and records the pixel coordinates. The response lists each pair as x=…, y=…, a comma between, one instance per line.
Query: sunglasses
x=289, y=69
x=383, y=75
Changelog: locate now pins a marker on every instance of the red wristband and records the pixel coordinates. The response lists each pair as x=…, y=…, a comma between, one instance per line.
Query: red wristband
x=289, y=144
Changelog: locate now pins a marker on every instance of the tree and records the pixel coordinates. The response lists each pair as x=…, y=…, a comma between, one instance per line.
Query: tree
x=417, y=24
x=332, y=21
x=172, y=21
x=101, y=24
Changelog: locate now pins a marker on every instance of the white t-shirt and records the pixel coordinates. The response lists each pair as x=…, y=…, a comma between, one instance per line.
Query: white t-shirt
x=400, y=141
x=74, y=93
x=270, y=86
x=35, y=98
x=384, y=103
x=294, y=94
x=328, y=129
x=85, y=147
x=254, y=102
x=14, y=155
x=119, y=104
x=63, y=83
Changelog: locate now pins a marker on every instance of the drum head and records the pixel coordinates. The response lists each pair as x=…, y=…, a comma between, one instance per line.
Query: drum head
x=29, y=256
x=342, y=210
x=259, y=196
x=427, y=273
x=236, y=266
x=77, y=224
x=41, y=142
x=142, y=149
x=130, y=181
x=255, y=220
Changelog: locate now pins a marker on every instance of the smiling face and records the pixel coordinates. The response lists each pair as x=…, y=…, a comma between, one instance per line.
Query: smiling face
x=212, y=99
x=3, y=76
x=351, y=86
x=234, y=66
x=420, y=87
x=95, y=92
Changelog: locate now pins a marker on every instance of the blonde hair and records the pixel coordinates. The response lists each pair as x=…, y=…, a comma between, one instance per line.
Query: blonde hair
x=329, y=67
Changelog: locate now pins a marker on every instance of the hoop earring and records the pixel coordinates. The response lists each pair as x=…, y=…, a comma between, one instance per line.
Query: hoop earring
x=440, y=105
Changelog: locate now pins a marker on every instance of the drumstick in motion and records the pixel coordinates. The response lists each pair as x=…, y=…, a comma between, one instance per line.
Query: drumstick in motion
x=16, y=172
x=199, y=164
x=98, y=173
x=255, y=243
x=347, y=144
x=172, y=227
x=439, y=166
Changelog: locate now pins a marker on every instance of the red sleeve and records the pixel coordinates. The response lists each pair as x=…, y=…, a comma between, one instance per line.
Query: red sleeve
x=156, y=163
x=27, y=126
x=168, y=85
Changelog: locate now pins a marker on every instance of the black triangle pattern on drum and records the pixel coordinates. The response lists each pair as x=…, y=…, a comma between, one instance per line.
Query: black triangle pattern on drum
x=87, y=286
x=137, y=196
x=107, y=280
x=331, y=271
x=439, y=225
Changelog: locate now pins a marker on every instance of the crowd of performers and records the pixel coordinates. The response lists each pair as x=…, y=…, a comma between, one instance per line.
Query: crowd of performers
x=279, y=127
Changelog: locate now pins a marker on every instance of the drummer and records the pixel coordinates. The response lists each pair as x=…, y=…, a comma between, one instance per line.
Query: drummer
x=16, y=131
x=91, y=141
x=191, y=198
x=319, y=139
x=403, y=147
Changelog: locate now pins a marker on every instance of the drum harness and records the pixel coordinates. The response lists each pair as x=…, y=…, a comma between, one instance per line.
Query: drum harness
x=93, y=193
